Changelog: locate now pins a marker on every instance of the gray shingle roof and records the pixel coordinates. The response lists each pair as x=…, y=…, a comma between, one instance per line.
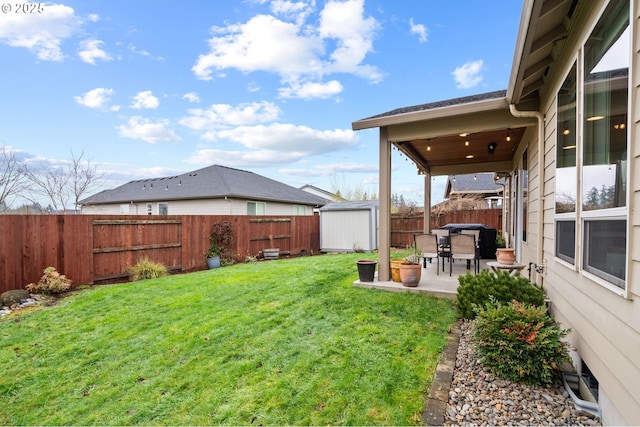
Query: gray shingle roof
x=207, y=183
x=483, y=183
x=440, y=104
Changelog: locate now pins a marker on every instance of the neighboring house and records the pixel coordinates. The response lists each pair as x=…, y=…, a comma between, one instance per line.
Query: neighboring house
x=565, y=136
x=477, y=185
x=214, y=190
x=326, y=195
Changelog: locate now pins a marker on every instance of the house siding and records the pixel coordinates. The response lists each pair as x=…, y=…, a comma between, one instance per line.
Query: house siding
x=605, y=326
x=194, y=207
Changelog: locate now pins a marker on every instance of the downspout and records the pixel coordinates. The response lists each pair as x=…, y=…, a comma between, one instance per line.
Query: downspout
x=540, y=255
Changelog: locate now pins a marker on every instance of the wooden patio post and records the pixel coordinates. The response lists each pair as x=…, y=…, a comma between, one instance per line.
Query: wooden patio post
x=426, y=228
x=384, y=247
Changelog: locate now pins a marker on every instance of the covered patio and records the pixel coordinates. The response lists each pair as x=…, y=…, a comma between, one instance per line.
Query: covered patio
x=431, y=283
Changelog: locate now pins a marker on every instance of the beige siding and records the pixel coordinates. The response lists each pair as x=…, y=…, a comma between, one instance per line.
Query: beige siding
x=196, y=207
x=605, y=326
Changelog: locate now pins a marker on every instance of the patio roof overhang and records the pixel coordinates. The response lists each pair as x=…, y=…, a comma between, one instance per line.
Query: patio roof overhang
x=464, y=135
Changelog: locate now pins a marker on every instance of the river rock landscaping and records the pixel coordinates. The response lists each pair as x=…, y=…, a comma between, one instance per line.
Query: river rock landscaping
x=478, y=398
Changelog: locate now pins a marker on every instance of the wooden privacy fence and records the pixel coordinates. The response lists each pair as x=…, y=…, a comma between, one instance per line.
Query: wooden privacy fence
x=403, y=228
x=97, y=248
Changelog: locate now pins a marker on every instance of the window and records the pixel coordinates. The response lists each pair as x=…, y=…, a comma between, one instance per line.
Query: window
x=256, y=208
x=149, y=209
x=299, y=210
x=566, y=240
x=594, y=150
x=604, y=151
x=163, y=209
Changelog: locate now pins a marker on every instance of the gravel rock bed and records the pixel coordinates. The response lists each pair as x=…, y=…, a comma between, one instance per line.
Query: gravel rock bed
x=478, y=398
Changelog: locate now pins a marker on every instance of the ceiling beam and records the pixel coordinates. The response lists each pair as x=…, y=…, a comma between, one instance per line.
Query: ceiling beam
x=557, y=33
x=468, y=168
x=537, y=67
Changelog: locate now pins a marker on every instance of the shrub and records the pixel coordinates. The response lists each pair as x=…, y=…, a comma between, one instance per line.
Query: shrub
x=146, y=269
x=476, y=290
x=520, y=342
x=50, y=283
x=223, y=239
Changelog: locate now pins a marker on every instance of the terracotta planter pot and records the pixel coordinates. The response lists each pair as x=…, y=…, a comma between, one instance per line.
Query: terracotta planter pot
x=505, y=256
x=395, y=270
x=410, y=274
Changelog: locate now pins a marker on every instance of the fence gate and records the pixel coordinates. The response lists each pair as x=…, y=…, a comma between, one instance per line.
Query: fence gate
x=265, y=233
x=120, y=243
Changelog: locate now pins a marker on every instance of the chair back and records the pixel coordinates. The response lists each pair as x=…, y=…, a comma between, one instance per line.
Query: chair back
x=440, y=232
x=427, y=244
x=463, y=246
x=475, y=233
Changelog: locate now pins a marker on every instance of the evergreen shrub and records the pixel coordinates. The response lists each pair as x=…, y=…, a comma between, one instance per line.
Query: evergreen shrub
x=477, y=290
x=520, y=342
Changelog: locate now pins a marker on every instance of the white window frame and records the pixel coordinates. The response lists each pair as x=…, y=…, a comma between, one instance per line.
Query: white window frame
x=580, y=216
x=297, y=209
x=257, y=211
x=162, y=205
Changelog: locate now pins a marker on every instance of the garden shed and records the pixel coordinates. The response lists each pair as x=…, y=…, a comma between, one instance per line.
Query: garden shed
x=349, y=226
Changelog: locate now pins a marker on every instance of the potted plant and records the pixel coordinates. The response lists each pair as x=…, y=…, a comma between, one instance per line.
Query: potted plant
x=504, y=255
x=411, y=269
x=222, y=245
x=213, y=254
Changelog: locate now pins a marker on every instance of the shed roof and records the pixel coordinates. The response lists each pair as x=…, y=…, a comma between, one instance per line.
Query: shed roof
x=481, y=183
x=354, y=205
x=207, y=183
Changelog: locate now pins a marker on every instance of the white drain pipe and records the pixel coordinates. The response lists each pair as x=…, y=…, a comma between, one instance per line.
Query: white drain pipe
x=541, y=264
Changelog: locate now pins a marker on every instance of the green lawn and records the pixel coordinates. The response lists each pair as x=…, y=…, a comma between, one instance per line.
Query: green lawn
x=286, y=342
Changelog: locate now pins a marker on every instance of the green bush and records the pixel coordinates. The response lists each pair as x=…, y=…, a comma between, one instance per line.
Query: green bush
x=520, y=343
x=50, y=283
x=146, y=269
x=476, y=290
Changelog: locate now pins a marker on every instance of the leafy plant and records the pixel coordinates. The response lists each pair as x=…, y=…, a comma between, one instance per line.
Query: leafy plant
x=147, y=269
x=520, y=342
x=478, y=290
x=500, y=242
x=222, y=242
x=50, y=283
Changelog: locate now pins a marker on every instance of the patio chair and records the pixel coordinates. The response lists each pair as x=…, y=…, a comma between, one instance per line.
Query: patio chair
x=444, y=248
x=427, y=244
x=476, y=234
x=463, y=246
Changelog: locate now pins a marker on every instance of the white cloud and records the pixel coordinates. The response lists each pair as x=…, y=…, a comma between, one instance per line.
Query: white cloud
x=90, y=50
x=419, y=30
x=148, y=131
x=311, y=90
x=41, y=33
x=338, y=44
x=331, y=169
x=95, y=98
x=145, y=100
x=222, y=115
x=353, y=34
x=93, y=17
x=191, y=97
x=468, y=75
x=243, y=159
x=288, y=138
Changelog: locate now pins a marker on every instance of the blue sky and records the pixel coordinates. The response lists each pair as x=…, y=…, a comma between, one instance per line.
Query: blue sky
x=150, y=88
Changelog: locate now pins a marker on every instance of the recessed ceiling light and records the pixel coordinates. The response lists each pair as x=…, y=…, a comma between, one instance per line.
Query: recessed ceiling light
x=469, y=156
x=464, y=134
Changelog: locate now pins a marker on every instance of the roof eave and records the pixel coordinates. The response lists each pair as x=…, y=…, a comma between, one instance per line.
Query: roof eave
x=431, y=114
x=526, y=24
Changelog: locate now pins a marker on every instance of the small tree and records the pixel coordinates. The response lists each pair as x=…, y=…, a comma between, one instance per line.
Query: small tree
x=12, y=178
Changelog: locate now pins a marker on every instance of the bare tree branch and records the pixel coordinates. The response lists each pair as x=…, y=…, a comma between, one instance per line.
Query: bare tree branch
x=12, y=178
x=84, y=176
